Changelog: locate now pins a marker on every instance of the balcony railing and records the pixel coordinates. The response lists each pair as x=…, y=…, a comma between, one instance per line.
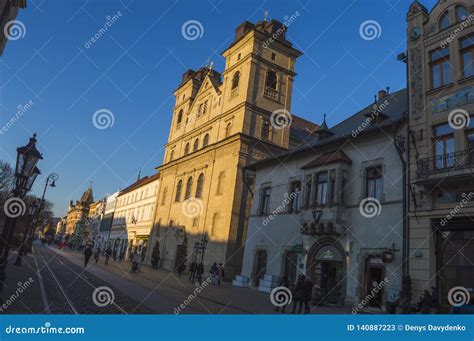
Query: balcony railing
x=442, y=164
x=271, y=93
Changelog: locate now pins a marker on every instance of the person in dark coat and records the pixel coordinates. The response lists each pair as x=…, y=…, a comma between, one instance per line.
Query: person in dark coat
x=213, y=273
x=220, y=274
x=307, y=293
x=200, y=271
x=108, y=252
x=97, y=255
x=298, y=293
x=87, y=255
x=283, y=283
x=426, y=303
x=192, y=271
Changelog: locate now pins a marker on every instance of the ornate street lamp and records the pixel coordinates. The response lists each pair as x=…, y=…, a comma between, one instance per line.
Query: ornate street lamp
x=32, y=209
x=25, y=169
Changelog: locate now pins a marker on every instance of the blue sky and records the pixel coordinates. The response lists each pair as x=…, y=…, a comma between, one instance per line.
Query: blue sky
x=133, y=68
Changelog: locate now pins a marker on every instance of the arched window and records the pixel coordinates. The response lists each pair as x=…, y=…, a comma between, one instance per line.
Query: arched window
x=206, y=140
x=180, y=117
x=271, y=81
x=444, y=22
x=189, y=185
x=220, y=183
x=196, y=145
x=186, y=149
x=235, y=80
x=228, y=129
x=179, y=188
x=215, y=224
x=265, y=131
x=199, y=186
x=461, y=13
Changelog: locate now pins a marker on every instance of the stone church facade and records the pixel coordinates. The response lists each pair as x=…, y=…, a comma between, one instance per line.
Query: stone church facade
x=221, y=123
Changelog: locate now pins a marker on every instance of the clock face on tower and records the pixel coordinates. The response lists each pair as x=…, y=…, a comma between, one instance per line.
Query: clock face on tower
x=415, y=34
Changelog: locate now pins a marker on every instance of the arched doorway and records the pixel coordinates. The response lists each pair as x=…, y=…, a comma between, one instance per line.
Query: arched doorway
x=326, y=270
x=260, y=267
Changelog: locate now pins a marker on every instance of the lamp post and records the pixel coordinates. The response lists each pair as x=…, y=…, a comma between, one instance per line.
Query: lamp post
x=51, y=182
x=25, y=175
x=204, y=242
x=31, y=213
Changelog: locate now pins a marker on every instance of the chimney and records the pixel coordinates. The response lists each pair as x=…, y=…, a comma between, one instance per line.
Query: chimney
x=382, y=94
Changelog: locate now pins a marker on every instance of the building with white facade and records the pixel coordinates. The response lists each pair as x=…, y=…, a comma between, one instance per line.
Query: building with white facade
x=333, y=209
x=106, y=221
x=134, y=214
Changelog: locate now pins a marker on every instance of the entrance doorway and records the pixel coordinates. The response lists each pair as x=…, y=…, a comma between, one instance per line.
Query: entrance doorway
x=260, y=267
x=374, y=275
x=326, y=272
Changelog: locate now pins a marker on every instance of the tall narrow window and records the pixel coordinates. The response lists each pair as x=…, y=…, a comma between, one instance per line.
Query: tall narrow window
x=215, y=224
x=196, y=145
x=220, y=183
x=374, y=182
x=467, y=55
x=294, y=195
x=189, y=186
x=444, y=149
x=171, y=155
x=180, y=117
x=440, y=68
x=265, y=131
x=186, y=149
x=265, y=201
x=235, y=80
x=199, y=186
x=271, y=81
x=205, y=143
x=179, y=188
x=307, y=192
x=228, y=129
x=444, y=21
x=321, y=188
x=461, y=13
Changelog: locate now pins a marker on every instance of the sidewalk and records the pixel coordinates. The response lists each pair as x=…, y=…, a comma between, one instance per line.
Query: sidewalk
x=232, y=299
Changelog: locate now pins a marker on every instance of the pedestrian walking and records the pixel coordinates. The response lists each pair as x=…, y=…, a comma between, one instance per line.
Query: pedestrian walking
x=200, y=271
x=298, y=293
x=283, y=283
x=213, y=273
x=135, y=261
x=87, y=255
x=192, y=271
x=108, y=252
x=220, y=274
x=426, y=300
x=97, y=255
x=307, y=294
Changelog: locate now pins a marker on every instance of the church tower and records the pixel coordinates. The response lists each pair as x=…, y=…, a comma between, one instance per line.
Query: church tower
x=221, y=123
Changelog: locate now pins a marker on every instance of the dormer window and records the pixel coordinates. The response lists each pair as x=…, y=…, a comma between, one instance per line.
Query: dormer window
x=444, y=21
x=461, y=13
